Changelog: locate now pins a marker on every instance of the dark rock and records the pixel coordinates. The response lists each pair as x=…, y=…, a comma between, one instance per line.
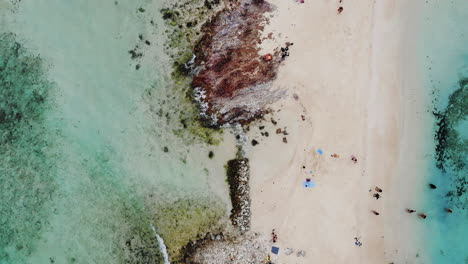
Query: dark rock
x=254, y=142
x=285, y=140
x=211, y=154
x=142, y=10
x=267, y=134
x=278, y=131
x=147, y=42
x=261, y=127
x=166, y=149
x=274, y=122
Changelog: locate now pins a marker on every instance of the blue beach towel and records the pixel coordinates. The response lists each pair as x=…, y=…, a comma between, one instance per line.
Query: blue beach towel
x=319, y=151
x=274, y=250
x=307, y=184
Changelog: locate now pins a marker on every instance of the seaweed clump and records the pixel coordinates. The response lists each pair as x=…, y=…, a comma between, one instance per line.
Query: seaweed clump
x=184, y=221
x=451, y=144
x=183, y=21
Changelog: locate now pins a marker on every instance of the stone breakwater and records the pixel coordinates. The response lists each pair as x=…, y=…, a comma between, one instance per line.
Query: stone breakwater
x=232, y=81
x=238, y=179
x=219, y=249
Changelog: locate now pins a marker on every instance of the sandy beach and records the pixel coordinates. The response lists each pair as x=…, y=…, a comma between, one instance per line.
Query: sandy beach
x=346, y=76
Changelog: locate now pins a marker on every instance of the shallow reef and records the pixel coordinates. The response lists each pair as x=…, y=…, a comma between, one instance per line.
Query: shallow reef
x=452, y=144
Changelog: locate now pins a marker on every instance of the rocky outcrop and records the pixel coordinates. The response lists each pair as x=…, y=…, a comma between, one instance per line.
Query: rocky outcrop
x=232, y=81
x=238, y=179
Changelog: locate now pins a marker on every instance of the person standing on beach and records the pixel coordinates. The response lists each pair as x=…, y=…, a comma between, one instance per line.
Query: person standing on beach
x=375, y=212
x=422, y=216
x=432, y=186
x=340, y=9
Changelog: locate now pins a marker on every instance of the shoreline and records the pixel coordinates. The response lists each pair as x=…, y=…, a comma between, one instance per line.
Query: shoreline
x=373, y=111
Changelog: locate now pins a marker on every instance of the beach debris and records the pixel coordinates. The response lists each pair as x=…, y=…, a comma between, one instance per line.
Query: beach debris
x=448, y=210
x=278, y=131
x=275, y=250
x=375, y=212
x=432, y=186
x=377, y=189
x=340, y=9
x=254, y=142
x=422, y=216
x=410, y=210
x=319, y=151
x=301, y=253
x=285, y=140
x=288, y=251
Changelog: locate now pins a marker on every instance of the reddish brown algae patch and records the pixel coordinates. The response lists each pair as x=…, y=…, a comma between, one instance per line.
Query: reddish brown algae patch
x=232, y=81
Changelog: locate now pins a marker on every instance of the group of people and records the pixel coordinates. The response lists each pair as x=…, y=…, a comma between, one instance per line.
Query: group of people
x=423, y=215
x=274, y=237
x=340, y=9
x=285, y=50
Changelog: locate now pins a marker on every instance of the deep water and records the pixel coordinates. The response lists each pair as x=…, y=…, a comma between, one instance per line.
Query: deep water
x=92, y=150
x=446, y=77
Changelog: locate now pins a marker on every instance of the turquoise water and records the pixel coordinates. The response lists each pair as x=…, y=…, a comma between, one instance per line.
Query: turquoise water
x=445, y=53
x=88, y=157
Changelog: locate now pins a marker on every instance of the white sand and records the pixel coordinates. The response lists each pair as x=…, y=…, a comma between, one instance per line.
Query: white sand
x=348, y=73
